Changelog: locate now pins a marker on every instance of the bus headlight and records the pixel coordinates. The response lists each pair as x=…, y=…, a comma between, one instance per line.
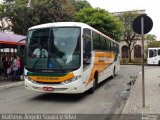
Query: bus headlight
x=72, y=80
x=28, y=78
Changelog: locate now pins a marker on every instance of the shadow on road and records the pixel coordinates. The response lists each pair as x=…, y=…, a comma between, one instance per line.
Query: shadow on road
x=107, y=83
x=60, y=97
x=69, y=97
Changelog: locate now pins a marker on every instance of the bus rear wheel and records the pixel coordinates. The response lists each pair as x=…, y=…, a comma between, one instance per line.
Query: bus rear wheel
x=113, y=73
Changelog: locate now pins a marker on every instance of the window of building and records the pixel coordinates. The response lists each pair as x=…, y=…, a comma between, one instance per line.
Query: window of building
x=124, y=51
x=137, y=51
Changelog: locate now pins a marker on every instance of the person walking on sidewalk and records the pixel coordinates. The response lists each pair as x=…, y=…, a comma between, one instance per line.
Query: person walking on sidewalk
x=14, y=67
x=19, y=65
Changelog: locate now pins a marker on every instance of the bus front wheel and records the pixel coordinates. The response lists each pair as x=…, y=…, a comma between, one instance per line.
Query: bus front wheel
x=95, y=80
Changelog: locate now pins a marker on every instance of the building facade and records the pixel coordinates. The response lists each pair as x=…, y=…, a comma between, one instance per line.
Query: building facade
x=137, y=46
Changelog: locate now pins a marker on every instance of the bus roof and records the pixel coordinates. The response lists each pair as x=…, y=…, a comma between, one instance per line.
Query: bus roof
x=154, y=48
x=67, y=24
x=60, y=24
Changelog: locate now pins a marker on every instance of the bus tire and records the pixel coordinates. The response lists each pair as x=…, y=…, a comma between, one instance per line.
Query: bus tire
x=159, y=63
x=95, y=82
x=113, y=73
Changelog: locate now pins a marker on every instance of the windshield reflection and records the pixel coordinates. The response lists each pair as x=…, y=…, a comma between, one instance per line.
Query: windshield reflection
x=53, y=48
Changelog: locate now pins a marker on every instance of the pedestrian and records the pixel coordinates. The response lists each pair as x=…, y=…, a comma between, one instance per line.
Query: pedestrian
x=14, y=67
x=22, y=66
x=19, y=65
x=5, y=66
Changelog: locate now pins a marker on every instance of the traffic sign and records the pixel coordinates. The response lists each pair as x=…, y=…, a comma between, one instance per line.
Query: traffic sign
x=142, y=24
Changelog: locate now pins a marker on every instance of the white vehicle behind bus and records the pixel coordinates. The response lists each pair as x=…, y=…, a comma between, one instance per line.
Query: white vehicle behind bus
x=153, y=56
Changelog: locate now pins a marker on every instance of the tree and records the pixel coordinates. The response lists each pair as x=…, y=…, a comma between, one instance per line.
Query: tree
x=101, y=20
x=24, y=15
x=129, y=36
x=5, y=24
x=153, y=44
x=150, y=37
x=80, y=4
x=151, y=40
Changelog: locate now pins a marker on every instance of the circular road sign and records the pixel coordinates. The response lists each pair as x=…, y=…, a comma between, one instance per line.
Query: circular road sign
x=147, y=24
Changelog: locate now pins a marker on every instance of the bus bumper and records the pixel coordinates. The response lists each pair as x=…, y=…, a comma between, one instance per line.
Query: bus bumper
x=70, y=88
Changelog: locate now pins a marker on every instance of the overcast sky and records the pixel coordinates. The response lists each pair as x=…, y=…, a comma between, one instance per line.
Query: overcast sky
x=152, y=8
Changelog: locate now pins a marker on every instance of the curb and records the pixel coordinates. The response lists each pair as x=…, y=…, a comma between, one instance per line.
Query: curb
x=125, y=106
x=11, y=85
x=134, y=104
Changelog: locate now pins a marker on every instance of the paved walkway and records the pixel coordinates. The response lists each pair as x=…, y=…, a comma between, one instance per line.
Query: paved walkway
x=4, y=84
x=134, y=107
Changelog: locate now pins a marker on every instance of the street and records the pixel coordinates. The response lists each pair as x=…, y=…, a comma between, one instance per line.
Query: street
x=109, y=98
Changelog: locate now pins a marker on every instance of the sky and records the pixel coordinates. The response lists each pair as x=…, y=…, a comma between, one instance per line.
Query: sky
x=152, y=8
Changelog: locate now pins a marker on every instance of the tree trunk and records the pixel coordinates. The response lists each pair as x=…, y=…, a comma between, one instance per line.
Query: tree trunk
x=129, y=55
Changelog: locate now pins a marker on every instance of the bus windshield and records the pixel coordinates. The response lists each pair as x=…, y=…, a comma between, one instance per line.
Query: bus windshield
x=53, y=48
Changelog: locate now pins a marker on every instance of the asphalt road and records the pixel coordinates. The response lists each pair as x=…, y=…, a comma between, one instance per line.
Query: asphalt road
x=109, y=98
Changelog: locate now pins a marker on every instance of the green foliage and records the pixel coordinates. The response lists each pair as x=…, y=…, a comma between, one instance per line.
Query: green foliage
x=127, y=19
x=150, y=37
x=80, y=4
x=101, y=20
x=5, y=23
x=24, y=15
x=151, y=41
x=1, y=17
x=153, y=44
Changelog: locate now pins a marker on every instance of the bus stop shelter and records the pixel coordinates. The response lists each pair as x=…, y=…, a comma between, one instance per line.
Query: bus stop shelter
x=9, y=40
x=8, y=45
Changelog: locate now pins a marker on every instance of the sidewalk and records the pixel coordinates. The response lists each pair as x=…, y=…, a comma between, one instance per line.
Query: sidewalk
x=152, y=97
x=4, y=84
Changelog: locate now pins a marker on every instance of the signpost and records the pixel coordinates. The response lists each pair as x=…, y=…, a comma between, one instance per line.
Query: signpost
x=142, y=25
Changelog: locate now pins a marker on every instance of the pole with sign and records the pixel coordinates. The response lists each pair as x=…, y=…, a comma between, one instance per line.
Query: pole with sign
x=142, y=25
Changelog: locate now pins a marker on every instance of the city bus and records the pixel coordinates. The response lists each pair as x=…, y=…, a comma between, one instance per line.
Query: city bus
x=153, y=57
x=71, y=58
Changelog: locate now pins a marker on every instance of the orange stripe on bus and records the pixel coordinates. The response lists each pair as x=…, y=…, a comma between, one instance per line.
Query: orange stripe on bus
x=101, y=62
x=50, y=79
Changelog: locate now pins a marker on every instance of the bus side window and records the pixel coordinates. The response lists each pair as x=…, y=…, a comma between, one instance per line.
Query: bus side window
x=152, y=53
x=158, y=51
x=86, y=45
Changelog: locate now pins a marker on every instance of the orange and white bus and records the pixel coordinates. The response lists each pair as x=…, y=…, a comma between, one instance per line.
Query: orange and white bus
x=68, y=57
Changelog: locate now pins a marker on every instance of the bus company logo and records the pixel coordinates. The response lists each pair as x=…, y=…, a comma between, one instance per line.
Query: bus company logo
x=53, y=78
x=103, y=59
x=47, y=78
x=48, y=71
